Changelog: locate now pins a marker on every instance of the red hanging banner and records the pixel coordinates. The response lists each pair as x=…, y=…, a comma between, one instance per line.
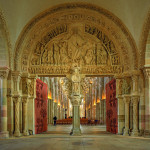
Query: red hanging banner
x=41, y=107
x=111, y=107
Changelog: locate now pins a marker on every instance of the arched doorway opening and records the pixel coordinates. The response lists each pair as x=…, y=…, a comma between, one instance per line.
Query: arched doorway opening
x=68, y=40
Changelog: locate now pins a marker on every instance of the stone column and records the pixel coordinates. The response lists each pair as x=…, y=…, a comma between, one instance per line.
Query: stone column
x=127, y=105
x=10, y=105
x=147, y=100
x=3, y=102
x=121, y=106
x=104, y=111
x=55, y=109
x=25, y=95
x=25, y=123
x=76, y=116
x=97, y=110
x=16, y=99
x=31, y=103
x=76, y=98
x=135, y=101
x=51, y=111
x=101, y=105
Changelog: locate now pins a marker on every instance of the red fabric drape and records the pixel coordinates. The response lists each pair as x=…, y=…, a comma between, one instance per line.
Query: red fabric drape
x=41, y=107
x=111, y=107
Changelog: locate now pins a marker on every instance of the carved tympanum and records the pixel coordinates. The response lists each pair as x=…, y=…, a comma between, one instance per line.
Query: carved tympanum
x=75, y=46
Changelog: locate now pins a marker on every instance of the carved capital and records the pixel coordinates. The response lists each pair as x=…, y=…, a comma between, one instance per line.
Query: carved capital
x=16, y=76
x=127, y=99
x=135, y=99
x=16, y=99
x=146, y=71
x=4, y=72
x=76, y=100
x=25, y=86
x=25, y=100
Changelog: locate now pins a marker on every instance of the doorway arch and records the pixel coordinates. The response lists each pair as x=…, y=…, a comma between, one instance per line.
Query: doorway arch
x=58, y=21
x=78, y=34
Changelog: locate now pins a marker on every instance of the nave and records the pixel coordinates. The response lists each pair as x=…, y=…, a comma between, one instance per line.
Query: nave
x=57, y=138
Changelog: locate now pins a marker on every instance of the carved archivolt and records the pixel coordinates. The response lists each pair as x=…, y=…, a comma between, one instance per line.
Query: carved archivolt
x=7, y=37
x=59, y=37
x=144, y=35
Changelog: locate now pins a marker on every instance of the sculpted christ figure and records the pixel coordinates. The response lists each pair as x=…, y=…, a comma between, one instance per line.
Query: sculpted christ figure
x=76, y=81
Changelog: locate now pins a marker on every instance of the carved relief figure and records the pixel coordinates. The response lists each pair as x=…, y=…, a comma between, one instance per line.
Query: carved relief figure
x=56, y=54
x=63, y=53
x=44, y=59
x=35, y=61
x=89, y=57
x=126, y=87
x=24, y=86
x=76, y=80
x=102, y=56
x=50, y=55
x=38, y=48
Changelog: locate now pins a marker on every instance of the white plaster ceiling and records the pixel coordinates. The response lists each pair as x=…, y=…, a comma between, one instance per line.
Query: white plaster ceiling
x=18, y=13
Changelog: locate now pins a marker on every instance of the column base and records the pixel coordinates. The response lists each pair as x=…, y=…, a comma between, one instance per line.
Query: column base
x=126, y=132
x=25, y=133
x=17, y=133
x=147, y=133
x=119, y=133
x=76, y=132
x=135, y=133
x=4, y=134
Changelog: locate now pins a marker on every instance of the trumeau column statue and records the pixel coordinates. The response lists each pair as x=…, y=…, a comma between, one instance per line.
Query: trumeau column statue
x=76, y=97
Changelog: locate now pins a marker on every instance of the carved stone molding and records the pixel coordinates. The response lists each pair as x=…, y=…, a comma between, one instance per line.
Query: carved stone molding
x=4, y=72
x=143, y=40
x=7, y=36
x=120, y=38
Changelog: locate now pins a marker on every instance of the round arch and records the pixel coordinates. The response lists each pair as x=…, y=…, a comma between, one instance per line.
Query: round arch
x=144, y=58
x=5, y=45
x=96, y=39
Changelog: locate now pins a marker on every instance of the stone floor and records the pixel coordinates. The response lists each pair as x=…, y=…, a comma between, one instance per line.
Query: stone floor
x=58, y=138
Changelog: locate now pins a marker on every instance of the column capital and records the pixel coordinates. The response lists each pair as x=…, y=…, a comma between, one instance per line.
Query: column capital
x=146, y=71
x=135, y=99
x=33, y=76
x=76, y=100
x=4, y=72
x=120, y=76
x=127, y=98
x=25, y=75
x=136, y=73
x=16, y=98
x=25, y=99
x=16, y=73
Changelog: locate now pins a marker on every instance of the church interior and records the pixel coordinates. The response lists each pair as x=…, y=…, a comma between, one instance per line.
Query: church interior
x=75, y=74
